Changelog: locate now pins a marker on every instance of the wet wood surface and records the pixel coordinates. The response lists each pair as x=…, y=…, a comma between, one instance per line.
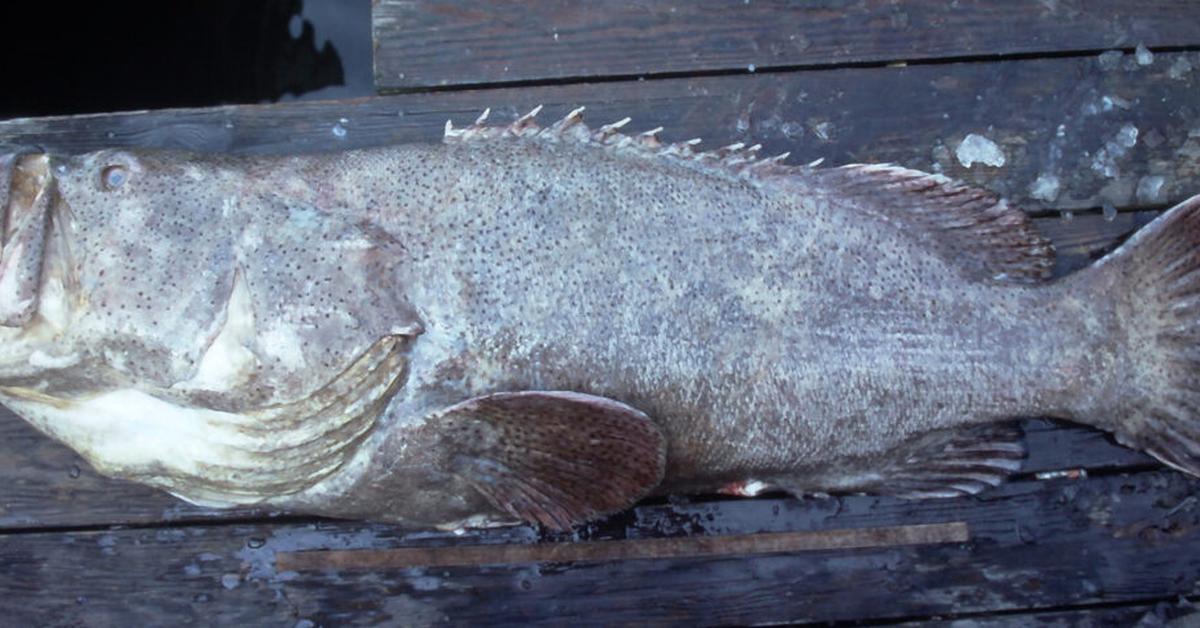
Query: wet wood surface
x=435, y=43
x=1033, y=545
x=1061, y=118
x=1088, y=532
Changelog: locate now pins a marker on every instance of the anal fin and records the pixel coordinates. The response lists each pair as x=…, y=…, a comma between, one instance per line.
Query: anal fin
x=954, y=463
x=557, y=458
x=946, y=463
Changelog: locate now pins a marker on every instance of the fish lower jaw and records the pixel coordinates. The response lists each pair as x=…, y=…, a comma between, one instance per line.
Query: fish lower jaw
x=206, y=457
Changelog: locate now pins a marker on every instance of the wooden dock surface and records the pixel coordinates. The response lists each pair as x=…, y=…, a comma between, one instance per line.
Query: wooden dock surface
x=1088, y=533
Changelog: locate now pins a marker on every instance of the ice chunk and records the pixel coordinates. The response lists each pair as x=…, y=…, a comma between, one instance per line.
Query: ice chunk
x=1150, y=187
x=1108, y=102
x=1105, y=160
x=1109, y=212
x=977, y=149
x=1127, y=136
x=1143, y=55
x=1067, y=216
x=1045, y=188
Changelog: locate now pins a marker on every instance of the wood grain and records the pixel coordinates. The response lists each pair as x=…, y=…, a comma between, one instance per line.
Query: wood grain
x=1049, y=117
x=1033, y=545
x=437, y=43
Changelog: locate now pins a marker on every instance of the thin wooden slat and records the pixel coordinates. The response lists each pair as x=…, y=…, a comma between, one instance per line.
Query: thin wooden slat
x=1104, y=541
x=1058, y=118
x=434, y=43
x=638, y=549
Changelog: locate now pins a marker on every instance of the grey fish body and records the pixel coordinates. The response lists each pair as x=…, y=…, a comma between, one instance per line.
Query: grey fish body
x=720, y=321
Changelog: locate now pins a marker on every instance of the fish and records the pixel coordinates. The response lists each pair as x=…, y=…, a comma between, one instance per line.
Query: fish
x=547, y=324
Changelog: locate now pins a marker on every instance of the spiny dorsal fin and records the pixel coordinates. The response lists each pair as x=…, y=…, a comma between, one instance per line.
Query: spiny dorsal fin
x=970, y=226
x=974, y=227
x=737, y=159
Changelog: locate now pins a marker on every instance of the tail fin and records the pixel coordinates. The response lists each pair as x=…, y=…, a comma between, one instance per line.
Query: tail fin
x=1157, y=276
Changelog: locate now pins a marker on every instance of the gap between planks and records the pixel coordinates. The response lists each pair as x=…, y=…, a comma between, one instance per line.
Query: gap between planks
x=634, y=549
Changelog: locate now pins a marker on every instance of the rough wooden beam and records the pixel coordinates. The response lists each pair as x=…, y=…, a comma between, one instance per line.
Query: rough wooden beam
x=436, y=43
x=1069, y=121
x=1034, y=545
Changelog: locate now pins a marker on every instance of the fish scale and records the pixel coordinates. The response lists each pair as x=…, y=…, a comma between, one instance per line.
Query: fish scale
x=547, y=323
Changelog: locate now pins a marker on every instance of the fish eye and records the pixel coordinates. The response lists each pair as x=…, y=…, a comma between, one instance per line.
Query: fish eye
x=114, y=176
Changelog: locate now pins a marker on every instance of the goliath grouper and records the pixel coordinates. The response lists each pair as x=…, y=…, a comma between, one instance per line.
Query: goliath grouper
x=548, y=324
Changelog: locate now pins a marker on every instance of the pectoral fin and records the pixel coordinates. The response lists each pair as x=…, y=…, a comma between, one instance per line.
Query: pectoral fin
x=557, y=458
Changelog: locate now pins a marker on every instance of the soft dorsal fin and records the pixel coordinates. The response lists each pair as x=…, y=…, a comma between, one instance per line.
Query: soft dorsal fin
x=973, y=227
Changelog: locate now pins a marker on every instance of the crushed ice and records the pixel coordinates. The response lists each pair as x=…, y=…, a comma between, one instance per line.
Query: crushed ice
x=977, y=149
x=1105, y=160
x=1143, y=55
x=1150, y=187
x=1180, y=69
x=1045, y=188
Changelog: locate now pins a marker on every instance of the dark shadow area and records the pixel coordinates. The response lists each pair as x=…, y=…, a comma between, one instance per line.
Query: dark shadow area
x=142, y=54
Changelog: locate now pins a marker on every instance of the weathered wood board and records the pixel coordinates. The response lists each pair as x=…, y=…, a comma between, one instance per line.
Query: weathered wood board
x=436, y=43
x=1033, y=545
x=1048, y=117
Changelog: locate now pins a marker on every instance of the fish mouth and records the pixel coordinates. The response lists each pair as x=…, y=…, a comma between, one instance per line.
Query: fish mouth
x=25, y=191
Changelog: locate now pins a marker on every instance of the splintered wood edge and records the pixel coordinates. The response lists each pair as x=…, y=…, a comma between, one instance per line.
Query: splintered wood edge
x=630, y=549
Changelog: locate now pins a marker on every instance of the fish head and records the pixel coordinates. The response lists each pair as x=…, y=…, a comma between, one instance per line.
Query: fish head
x=187, y=273
x=155, y=304
x=27, y=199
x=104, y=262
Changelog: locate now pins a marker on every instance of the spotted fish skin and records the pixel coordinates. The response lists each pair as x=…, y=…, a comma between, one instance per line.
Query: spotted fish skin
x=550, y=323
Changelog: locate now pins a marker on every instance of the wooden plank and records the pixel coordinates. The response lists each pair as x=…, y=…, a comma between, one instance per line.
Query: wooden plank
x=435, y=43
x=634, y=549
x=1049, y=117
x=1105, y=541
